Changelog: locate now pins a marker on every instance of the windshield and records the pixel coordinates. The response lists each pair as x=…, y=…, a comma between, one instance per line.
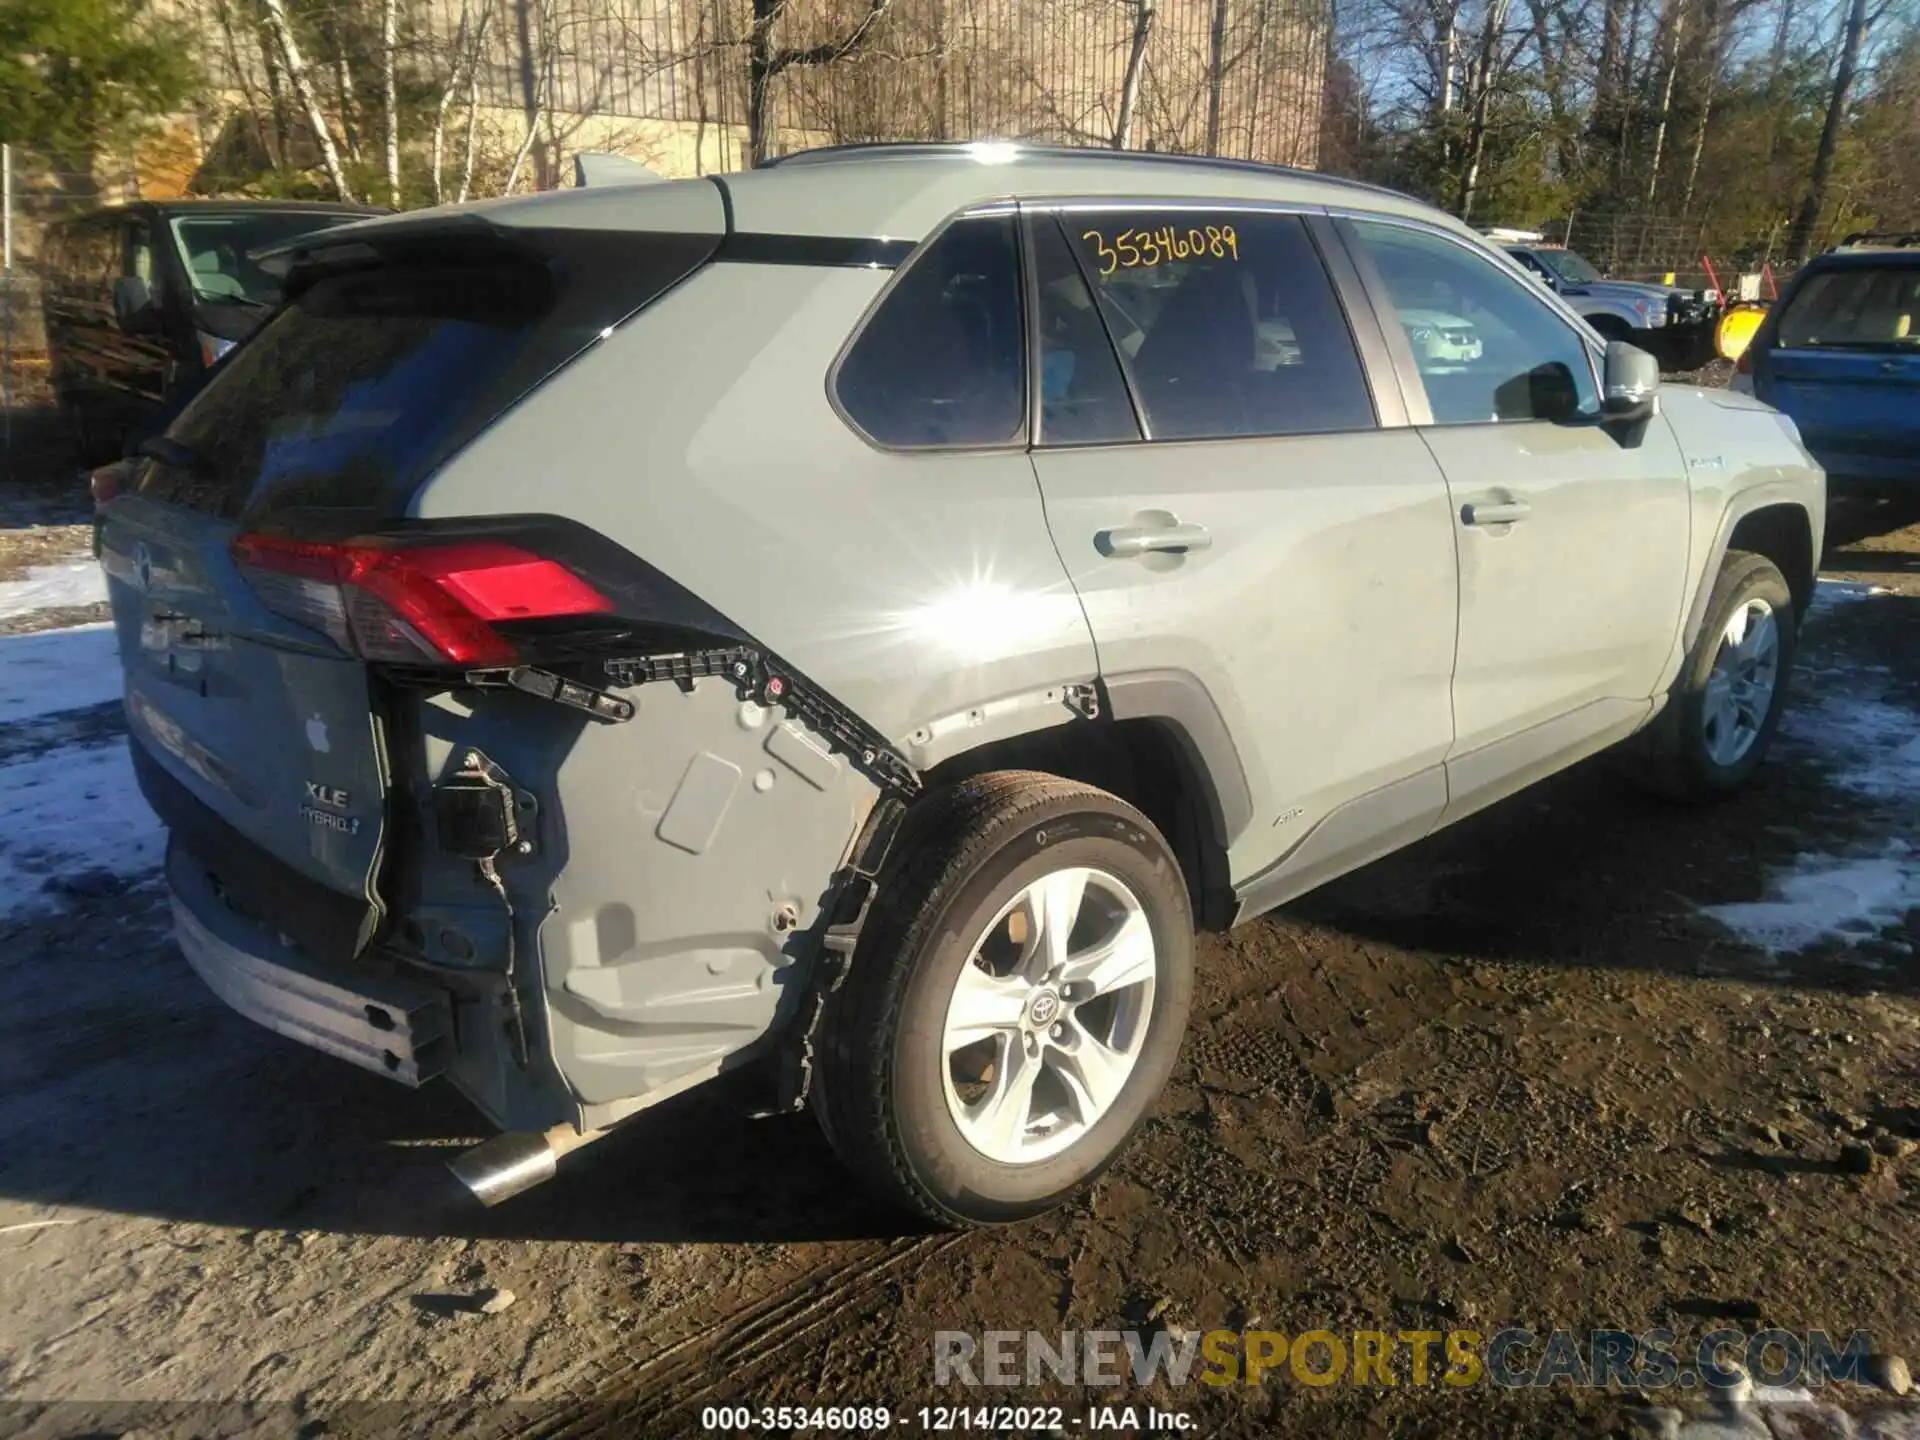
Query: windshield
x=1856, y=308
x=214, y=249
x=1571, y=268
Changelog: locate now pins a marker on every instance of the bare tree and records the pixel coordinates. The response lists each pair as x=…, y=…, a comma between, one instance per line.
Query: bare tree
x=539, y=55
x=1143, y=16
x=1853, y=34
x=767, y=61
x=463, y=64
x=282, y=28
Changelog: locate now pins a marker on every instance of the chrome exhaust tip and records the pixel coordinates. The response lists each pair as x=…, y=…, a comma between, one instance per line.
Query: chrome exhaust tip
x=506, y=1165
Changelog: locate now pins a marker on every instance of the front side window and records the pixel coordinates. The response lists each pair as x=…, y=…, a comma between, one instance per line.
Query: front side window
x=1858, y=308
x=941, y=362
x=1487, y=347
x=1227, y=320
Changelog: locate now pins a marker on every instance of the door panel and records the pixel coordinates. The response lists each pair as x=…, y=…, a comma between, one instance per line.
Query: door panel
x=1304, y=580
x=1572, y=534
x=1320, y=618
x=1580, y=599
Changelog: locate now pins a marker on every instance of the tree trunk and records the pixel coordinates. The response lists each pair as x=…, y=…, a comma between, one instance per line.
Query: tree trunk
x=349, y=104
x=473, y=122
x=1776, y=72
x=303, y=91
x=1216, y=73
x=1482, y=82
x=1800, y=238
x=1699, y=143
x=223, y=13
x=766, y=62
x=454, y=62
x=1143, y=11
x=761, y=121
x=282, y=131
x=389, y=94
x=1666, y=100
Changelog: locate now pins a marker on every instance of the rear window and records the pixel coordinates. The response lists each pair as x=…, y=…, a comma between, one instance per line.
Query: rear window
x=368, y=379
x=1859, y=307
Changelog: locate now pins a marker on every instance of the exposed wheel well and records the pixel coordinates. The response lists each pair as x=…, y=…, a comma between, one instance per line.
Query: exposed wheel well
x=1783, y=534
x=1146, y=763
x=1611, y=326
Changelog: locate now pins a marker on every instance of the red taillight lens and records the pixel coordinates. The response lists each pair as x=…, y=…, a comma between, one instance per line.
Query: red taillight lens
x=434, y=603
x=105, y=483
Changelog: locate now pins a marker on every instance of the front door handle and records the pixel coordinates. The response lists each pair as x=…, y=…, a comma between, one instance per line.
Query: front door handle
x=1139, y=539
x=1494, y=512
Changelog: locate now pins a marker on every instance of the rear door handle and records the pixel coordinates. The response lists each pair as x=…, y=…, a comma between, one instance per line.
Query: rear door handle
x=1494, y=512
x=1139, y=539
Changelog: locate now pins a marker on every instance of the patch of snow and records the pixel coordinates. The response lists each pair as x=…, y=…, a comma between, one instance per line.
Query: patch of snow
x=72, y=815
x=1828, y=897
x=1872, y=747
x=79, y=581
x=1830, y=594
x=54, y=670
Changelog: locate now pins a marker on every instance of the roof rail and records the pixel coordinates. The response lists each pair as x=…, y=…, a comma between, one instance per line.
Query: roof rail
x=1007, y=152
x=1880, y=239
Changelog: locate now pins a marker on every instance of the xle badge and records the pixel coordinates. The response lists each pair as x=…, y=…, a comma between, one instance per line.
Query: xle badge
x=321, y=808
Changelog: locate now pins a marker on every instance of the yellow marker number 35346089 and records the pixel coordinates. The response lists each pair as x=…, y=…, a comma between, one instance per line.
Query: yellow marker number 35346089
x=1135, y=249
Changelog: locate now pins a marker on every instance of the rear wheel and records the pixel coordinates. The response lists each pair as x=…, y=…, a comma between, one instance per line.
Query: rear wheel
x=1016, y=1003
x=1725, y=706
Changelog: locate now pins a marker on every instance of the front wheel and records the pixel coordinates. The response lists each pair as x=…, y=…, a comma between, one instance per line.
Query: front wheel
x=1016, y=1002
x=1726, y=703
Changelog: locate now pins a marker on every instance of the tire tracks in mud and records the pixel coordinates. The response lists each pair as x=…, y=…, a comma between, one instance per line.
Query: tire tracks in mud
x=654, y=1394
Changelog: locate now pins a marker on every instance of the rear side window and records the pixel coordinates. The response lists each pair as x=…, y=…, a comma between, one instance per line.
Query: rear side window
x=1855, y=308
x=941, y=362
x=1227, y=320
x=369, y=378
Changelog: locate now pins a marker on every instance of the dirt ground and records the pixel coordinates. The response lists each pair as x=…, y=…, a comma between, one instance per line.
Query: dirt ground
x=1511, y=1076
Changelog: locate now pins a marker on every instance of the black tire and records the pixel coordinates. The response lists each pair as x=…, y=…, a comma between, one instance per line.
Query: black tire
x=963, y=855
x=1676, y=760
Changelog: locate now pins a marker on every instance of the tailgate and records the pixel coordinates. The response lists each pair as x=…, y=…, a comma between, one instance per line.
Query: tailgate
x=264, y=723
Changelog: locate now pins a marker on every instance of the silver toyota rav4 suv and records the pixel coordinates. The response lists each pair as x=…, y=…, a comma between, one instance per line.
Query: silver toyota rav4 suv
x=864, y=615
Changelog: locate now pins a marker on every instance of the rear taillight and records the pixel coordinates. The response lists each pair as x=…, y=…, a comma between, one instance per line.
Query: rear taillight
x=431, y=604
x=105, y=482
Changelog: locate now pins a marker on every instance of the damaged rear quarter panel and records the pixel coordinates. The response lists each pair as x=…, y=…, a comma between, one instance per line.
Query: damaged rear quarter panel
x=906, y=587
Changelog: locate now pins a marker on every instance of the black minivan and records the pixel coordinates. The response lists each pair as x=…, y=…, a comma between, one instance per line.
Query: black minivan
x=140, y=300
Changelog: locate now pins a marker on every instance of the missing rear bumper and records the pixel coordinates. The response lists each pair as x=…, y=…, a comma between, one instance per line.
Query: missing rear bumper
x=389, y=1024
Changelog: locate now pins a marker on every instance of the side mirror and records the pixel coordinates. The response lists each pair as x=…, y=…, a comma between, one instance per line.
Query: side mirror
x=133, y=306
x=1630, y=382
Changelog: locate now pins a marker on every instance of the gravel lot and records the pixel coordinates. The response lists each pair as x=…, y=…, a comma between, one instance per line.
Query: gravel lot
x=1583, y=1061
